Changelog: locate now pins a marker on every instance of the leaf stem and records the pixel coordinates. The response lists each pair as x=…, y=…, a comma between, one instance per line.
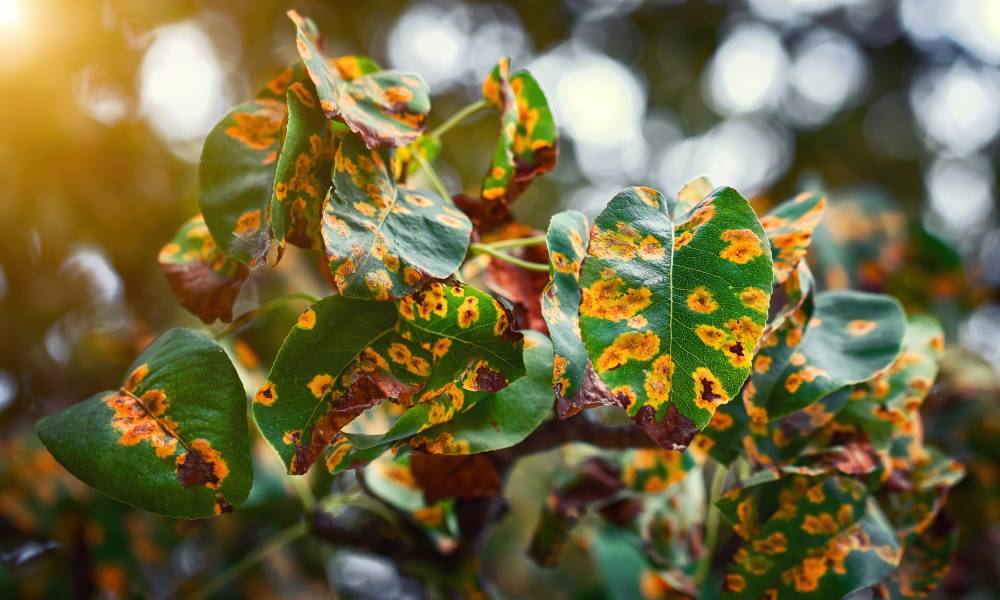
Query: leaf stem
x=711, y=524
x=478, y=248
x=537, y=240
x=458, y=117
x=244, y=319
x=432, y=175
x=256, y=555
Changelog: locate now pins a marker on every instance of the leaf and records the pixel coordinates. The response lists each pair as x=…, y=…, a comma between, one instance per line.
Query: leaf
x=236, y=179
x=521, y=287
x=426, y=146
x=384, y=241
x=670, y=315
x=433, y=348
x=455, y=476
x=528, y=144
x=624, y=569
x=567, y=240
x=385, y=108
x=789, y=228
x=688, y=197
x=503, y=419
x=653, y=470
x=205, y=280
x=851, y=336
x=172, y=439
x=302, y=175
x=826, y=536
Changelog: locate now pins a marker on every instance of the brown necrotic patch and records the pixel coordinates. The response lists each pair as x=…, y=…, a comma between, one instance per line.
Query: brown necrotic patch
x=201, y=465
x=673, y=432
x=708, y=391
x=266, y=394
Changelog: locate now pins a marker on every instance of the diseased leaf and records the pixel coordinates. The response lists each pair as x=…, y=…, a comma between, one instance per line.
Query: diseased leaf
x=426, y=146
x=688, y=197
x=670, y=315
x=236, y=179
x=567, y=240
x=384, y=241
x=521, y=287
x=439, y=350
x=789, y=228
x=302, y=175
x=528, y=143
x=503, y=419
x=205, y=280
x=826, y=536
x=172, y=439
x=384, y=108
x=455, y=476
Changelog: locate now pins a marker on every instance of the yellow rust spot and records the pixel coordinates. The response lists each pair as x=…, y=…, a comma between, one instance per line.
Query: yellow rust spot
x=248, y=223
x=320, y=384
x=307, y=320
x=657, y=384
x=708, y=391
x=734, y=583
x=604, y=299
x=683, y=239
x=647, y=195
x=625, y=393
x=859, y=327
x=762, y=364
x=379, y=283
x=266, y=394
x=259, y=130
x=652, y=586
x=451, y=221
x=776, y=543
x=337, y=455
x=754, y=299
x=401, y=355
x=744, y=246
x=143, y=420
x=631, y=345
x=721, y=421
x=701, y=301
x=136, y=377
x=624, y=242
x=823, y=523
x=440, y=348
x=468, y=312
x=711, y=336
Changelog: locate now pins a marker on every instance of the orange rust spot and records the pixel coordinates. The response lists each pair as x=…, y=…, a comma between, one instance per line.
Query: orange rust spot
x=631, y=345
x=754, y=299
x=266, y=395
x=248, y=223
x=320, y=385
x=604, y=299
x=259, y=130
x=468, y=312
x=708, y=391
x=307, y=320
x=711, y=336
x=702, y=301
x=143, y=419
x=744, y=246
x=776, y=543
x=136, y=377
x=859, y=327
x=657, y=384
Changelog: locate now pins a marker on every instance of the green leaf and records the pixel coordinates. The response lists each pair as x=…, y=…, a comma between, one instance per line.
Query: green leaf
x=384, y=108
x=384, y=241
x=688, y=197
x=670, y=315
x=851, y=336
x=567, y=240
x=302, y=174
x=789, y=228
x=205, y=280
x=824, y=535
x=502, y=419
x=236, y=179
x=427, y=146
x=434, y=348
x=172, y=439
x=528, y=144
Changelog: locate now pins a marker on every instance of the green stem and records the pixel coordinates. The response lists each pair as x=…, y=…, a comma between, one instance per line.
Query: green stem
x=458, y=117
x=478, y=248
x=242, y=320
x=432, y=175
x=537, y=240
x=256, y=555
x=301, y=486
x=711, y=525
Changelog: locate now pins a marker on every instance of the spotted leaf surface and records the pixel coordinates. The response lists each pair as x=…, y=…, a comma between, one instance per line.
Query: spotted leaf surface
x=383, y=241
x=384, y=108
x=528, y=143
x=653, y=470
x=205, y=280
x=850, y=337
x=789, y=228
x=670, y=314
x=436, y=351
x=236, y=179
x=302, y=172
x=688, y=197
x=826, y=538
x=172, y=439
x=567, y=240
x=504, y=418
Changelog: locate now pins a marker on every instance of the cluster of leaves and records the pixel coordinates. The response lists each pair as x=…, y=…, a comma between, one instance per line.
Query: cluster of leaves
x=697, y=319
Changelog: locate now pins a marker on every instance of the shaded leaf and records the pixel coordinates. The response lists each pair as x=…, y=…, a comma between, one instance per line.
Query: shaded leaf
x=172, y=439
x=670, y=315
x=384, y=108
x=455, y=476
x=528, y=143
x=690, y=194
x=205, y=280
x=521, y=287
x=384, y=241
x=438, y=350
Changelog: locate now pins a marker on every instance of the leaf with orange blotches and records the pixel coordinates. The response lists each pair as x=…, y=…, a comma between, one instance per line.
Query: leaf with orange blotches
x=436, y=352
x=789, y=228
x=172, y=439
x=567, y=240
x=205, y=280
x=670, y=314
x=806, y=535
x=384, y=108
x=688, y=197
x=528, y=143
x=384, y=241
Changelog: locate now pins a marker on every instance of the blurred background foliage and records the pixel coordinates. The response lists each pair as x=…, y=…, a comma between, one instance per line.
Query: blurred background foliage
x=893, y=107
